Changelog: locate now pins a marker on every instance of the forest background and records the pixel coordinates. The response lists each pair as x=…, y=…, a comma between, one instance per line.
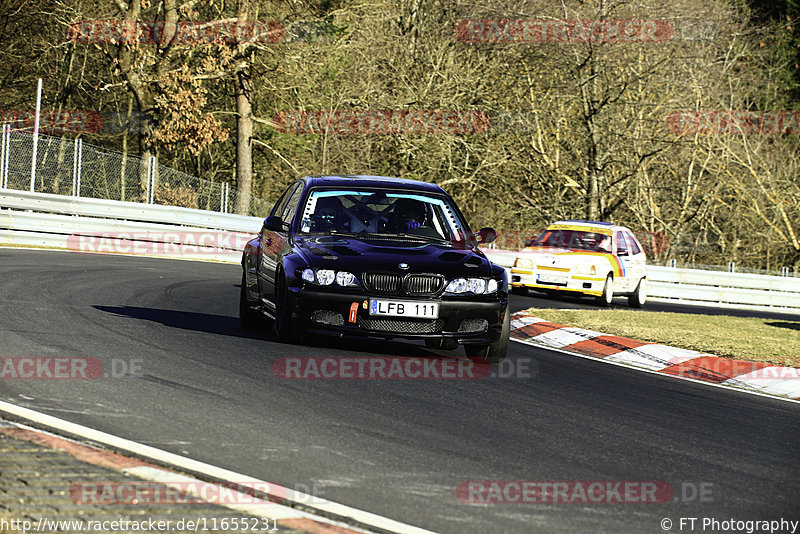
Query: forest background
x=677, y=118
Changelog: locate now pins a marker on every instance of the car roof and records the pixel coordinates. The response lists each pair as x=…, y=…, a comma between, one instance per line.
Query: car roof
x=383, y=182
x=589, y=224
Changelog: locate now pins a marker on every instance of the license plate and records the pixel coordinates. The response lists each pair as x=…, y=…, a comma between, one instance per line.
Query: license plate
x=404, y=308
x=552, y=279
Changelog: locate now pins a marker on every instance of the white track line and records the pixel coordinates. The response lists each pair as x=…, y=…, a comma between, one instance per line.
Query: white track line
x=327, y=507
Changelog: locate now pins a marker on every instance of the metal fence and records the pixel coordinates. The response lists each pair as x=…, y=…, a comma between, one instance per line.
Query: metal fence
x=731, y=267
x=66, y=166
x=724, y=289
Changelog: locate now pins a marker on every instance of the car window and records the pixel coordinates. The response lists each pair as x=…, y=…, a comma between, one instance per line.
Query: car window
x=291, y=205
x=277, y=209
x=380, y=212
x=634, y=245
x=622, y=245
x=575, y=239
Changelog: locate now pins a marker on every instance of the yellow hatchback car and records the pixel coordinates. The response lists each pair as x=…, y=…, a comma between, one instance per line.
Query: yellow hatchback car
x=585, y=257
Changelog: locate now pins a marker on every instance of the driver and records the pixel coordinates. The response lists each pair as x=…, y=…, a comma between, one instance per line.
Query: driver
x=590, y=241
x=329, y=215
x=605, y=243
x=597, y=242
x=409, y=214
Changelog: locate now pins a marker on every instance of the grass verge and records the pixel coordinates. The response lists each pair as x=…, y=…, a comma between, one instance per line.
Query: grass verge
x=740, y=338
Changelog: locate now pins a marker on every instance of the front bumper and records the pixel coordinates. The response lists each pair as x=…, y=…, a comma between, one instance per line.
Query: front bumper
x=466, y=321
x=561, y=280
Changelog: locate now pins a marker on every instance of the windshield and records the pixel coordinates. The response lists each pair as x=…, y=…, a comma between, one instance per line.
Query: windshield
x=575, y=239
x=381, y=213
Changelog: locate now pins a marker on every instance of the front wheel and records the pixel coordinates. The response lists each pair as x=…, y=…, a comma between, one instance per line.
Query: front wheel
x=284, y=330
x=519, y=290
x=494, y=352
x=639, y=297
x=608, y=292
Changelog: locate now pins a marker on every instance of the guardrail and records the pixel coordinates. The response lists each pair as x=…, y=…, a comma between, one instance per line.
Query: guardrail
x=98, y=225
x=707, y=288
x=723, y=289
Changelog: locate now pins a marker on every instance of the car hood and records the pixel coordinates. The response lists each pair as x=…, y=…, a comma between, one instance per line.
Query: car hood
x=358, y=255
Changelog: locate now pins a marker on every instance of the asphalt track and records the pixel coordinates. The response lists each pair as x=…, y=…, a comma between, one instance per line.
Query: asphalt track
x=398, y=448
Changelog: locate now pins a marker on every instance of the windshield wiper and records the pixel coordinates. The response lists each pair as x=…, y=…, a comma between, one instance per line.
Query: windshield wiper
x=369, y=235
x=345, y=234
x=426, y=237
x=420, y=237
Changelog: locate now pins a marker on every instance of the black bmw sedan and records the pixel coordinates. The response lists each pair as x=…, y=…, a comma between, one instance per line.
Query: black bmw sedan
x=375, y=256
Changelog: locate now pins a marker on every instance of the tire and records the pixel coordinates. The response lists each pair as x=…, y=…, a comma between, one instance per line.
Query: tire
x=638, y=298
x=494, y=352
x=608, y=292
x=284, y=330
x=521, y=291
x=249, y=319
x=441, y=343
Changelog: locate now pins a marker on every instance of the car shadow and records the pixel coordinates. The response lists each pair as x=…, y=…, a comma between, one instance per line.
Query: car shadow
x=223, y=325
x=566, y=298
x=782, y=324
x=229, y=326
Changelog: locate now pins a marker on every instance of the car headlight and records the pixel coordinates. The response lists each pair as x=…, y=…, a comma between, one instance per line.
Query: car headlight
x=585, y=269
x=325, y=277
x=491, y=287
x=459, y=285
x=478, y=286
x=525, y=263
x=345, y=279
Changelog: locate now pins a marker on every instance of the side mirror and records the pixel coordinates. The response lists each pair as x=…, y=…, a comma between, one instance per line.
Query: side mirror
x=273, y=223
x=487, y=235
